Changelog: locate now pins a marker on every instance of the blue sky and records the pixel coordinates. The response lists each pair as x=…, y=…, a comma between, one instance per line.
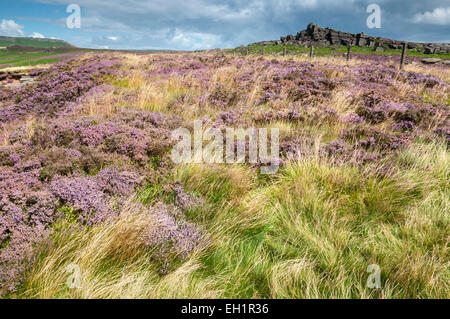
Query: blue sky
x=207, y=24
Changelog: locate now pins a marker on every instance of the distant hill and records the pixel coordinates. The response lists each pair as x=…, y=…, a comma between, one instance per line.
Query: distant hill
x=34, y=42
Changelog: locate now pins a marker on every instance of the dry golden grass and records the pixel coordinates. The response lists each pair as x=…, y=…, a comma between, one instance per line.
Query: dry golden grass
x=442, y=73
x=25, y=68
x=102, y=104
x=113, y=263
x=323, y=60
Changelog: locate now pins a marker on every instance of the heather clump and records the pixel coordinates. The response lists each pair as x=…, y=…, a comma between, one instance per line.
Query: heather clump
x=227, y=118
x=114, y=182
x=404, y=116
x=353, y=119
x=88, y=143
x=19, y=254
x=373, y=74
x=302, y=147
x=444, y=132
x=428, y=81
x=222, y=98
x=170, y=236
x=57, y=87
x=85, y=196
x=91, y=197
x=27, y=208
x=84, y=165
x=184, y=200
x=29, y=205
x=292, y=115
x=374, y=138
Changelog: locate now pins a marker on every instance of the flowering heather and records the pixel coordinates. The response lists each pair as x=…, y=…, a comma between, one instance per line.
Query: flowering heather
x=63, y=155
x=170, y=235
x=44, y=164
x=268, y=116
x=57, y=87
x=184, y=200
x=85, y=196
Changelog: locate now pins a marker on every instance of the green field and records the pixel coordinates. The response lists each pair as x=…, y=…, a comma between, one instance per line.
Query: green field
x=18, y=58
x=24, y=58
x=31, y=52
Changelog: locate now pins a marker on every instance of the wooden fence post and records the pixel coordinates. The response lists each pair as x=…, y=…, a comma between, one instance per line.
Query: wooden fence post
x=402, y=59
x=284, y=51
x=349, y=49
x=246, y=52
x=311, y=51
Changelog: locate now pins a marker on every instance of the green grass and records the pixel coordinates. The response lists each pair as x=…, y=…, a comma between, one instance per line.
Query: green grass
x=277, y=49
x=26, y=58
x=23, y=58
x=37, y=62
x=311, y=231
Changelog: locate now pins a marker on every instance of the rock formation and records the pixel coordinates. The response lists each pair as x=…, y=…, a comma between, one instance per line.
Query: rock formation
x=324, y=37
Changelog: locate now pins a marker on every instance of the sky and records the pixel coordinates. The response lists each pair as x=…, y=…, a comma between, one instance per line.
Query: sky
x=209, y=24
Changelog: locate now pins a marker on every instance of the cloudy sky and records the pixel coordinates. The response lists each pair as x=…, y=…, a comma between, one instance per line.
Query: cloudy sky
x=206, y=24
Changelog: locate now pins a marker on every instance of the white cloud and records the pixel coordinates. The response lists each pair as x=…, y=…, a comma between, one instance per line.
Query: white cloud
x=228, y=23
x=11, y=28
x=437, y=16
x=37, y=35
x=194, y=40
x=113, y=38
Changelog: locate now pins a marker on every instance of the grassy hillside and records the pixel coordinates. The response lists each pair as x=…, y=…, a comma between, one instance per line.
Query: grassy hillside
x=33, y=42
x=363, y=180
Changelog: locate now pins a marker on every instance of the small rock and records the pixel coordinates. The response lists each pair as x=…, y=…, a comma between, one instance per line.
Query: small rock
x=14, y=85
x=431, y=60
x=26, y=79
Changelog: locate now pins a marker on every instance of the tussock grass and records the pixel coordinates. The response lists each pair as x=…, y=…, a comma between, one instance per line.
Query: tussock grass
x=112, y=263
x=309, y=232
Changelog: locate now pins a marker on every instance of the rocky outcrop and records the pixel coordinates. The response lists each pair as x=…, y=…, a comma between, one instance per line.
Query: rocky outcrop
x=323, y=37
